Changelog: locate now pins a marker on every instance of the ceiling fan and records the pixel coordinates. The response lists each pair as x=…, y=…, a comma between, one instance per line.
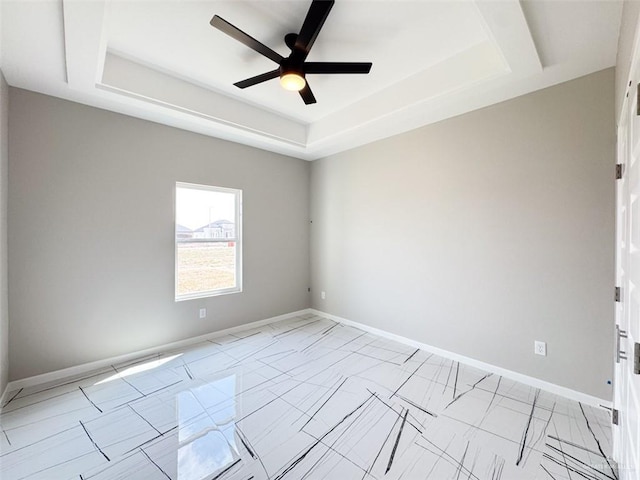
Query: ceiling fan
x=293, y=69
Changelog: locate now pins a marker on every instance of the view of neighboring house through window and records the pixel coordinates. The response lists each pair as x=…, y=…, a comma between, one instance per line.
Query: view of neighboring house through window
x=208, y=241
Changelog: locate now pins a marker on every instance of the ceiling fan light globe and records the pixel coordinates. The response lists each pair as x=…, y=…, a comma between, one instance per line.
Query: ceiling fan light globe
x=292, y=82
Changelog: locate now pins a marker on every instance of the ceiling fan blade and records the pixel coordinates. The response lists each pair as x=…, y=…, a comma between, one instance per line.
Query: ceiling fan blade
x=249, y=82
x=337, y=67
x=234, y=32
x=307, y=95
x=316, y=16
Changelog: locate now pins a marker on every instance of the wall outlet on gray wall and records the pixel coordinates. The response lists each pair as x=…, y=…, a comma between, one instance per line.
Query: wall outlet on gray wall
x=540, y=348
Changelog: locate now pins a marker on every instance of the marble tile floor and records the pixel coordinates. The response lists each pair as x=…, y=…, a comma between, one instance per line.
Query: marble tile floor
x=305, y=398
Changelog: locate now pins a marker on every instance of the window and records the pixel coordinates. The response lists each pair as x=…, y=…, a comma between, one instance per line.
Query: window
x=208, y=241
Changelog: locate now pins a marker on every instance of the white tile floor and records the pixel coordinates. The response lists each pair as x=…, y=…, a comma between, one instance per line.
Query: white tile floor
x=305, y=398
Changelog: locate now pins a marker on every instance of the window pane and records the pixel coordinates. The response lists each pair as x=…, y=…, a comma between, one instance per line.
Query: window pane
x=204, y=213
x=207, y=239
x=206, y=266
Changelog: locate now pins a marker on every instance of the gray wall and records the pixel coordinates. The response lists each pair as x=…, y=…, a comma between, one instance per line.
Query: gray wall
x=482, y=233
x=91, y=241
x=4, y=168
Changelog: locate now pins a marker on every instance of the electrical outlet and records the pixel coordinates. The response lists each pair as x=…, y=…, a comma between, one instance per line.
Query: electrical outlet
x=323, y=295
x=203, y=312
x=540, y=348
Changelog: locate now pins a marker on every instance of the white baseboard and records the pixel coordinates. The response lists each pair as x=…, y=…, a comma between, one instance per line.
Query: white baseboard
x=3, y=397
x=518, y=377
x=107, y=362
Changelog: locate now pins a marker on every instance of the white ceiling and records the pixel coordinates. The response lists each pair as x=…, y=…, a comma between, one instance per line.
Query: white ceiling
x=162, y=61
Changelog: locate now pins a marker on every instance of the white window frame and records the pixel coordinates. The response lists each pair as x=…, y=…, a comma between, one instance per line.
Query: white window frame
x=237, y=240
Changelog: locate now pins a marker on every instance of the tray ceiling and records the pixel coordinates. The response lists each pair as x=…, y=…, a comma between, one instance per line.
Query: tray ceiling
x=162, y=61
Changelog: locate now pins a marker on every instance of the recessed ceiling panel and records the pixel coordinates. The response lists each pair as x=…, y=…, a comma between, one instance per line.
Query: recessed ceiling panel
x=401, y=38
x=162, y=61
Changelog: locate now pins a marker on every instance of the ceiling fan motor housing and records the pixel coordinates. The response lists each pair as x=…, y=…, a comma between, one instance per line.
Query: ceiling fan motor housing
x=290, y=65
x=290, y=40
